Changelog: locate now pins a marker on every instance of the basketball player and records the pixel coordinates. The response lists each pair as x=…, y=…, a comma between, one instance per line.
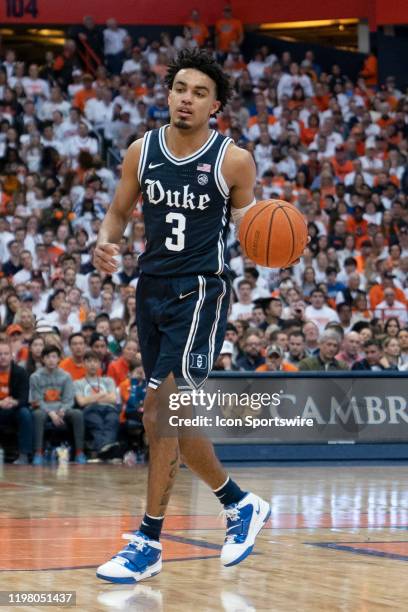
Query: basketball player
x=191, y=179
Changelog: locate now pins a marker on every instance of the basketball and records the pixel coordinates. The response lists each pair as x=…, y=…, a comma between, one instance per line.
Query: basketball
x=273, y=233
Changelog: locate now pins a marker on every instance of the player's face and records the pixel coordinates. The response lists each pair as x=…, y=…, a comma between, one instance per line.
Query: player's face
x=192, y=99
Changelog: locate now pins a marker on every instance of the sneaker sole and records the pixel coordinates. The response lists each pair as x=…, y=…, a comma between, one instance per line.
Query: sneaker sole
x=130, y=579
x=248, y=550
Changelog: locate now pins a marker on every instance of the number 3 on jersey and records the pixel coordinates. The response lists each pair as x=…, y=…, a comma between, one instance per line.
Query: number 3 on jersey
x=177, y=230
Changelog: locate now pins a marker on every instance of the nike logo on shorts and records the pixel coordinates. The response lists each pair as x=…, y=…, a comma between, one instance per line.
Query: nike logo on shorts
x=151, y=166
x=181, y=296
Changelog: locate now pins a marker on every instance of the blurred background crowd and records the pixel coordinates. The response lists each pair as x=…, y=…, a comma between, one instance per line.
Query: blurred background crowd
x=334, y=147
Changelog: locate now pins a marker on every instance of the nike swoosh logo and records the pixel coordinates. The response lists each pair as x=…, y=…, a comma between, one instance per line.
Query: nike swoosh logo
x=151, y=166
x=181, y=296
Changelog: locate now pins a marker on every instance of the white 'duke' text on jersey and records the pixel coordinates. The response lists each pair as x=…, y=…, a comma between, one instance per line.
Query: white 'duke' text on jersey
x=176, y=199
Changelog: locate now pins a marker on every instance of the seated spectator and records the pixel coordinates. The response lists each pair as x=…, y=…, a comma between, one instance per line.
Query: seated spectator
x=333, y=285
x=325, y=360
x=391, y=307
x=98, y=344
x=132, y=393
x=392, y=352
x=52, y=397
x=231, y=335
x=102, y=324
x=297, y=348
x=14, y=408
x=88, y=328
x=119, y=368
x=258, y=318
x=252, y=356
x=318, y=311
x=16, y=341
x=12, y=265
x=351, y=291
x=118, y=332
x=376, y=293
x=85, y=93
x=274, y=361
x=242, y=309
x=392, y=327
x=33, y=360
x=403, y=340
x=224, y=361
x=65, y=320
x=311, y=333
x=350, y=349
x=373, y=357
x=360, y=309
x=278, y=337
x=75, y=365
x=344, y=313
x=97, y=397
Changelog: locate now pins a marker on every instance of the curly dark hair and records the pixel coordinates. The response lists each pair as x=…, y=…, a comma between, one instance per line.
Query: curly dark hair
x=202, y=61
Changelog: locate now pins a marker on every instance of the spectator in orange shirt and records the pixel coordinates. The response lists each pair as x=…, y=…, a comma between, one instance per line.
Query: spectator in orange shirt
x=356, y=224
x=370, y=70
x=366, y=255
x=376, y=294
x=228, y=30
x=274, y=361
x=75, y=365
x=307, y=134
x=198, y=29
x=341, y=165
x=53, y=251
x=119, y=368
x=86, y=93
x=321, y=97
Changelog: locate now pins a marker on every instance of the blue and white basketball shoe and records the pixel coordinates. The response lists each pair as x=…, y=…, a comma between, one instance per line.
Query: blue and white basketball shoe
x=244, y=521
x=140, y=559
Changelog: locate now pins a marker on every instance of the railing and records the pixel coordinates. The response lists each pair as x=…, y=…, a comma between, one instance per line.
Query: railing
x=89, y=58
x=113, y=158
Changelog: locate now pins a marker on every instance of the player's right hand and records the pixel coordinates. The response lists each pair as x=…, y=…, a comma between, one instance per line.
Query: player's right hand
x=104, y=258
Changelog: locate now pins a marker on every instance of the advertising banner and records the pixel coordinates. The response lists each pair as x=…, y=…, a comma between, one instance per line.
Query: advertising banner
x=293, y=410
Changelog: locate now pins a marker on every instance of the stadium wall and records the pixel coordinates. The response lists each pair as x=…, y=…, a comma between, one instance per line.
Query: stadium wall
x=140, y=11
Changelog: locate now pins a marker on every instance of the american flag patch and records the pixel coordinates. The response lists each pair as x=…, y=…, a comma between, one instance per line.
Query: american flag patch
x=204, y=167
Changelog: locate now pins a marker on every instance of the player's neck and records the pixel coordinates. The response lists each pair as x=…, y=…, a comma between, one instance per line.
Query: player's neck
x=182, y=143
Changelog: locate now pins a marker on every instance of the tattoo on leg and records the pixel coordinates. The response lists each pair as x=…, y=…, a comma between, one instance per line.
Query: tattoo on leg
x=172, y=474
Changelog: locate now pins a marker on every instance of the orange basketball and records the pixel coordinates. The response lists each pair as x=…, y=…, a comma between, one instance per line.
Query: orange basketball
x=273, y=233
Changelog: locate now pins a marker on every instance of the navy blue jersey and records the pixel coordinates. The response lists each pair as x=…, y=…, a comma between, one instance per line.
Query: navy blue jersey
x=185, y=206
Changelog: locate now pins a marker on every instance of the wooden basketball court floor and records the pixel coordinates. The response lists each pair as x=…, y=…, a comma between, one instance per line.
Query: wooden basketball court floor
x=337, y=539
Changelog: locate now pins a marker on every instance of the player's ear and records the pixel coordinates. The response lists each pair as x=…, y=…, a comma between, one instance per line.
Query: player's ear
x=215, y=107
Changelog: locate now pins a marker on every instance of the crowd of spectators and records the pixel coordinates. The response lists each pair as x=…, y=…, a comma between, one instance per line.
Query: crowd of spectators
x=336, y=149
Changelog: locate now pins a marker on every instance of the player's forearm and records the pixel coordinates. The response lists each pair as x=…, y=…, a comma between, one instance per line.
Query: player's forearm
x=113, y=226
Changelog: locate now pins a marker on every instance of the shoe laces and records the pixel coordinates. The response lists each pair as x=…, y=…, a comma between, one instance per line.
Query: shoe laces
x=231, y=515
x=136, y=541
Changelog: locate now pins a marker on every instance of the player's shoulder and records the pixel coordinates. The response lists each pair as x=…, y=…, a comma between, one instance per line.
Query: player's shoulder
x=132, y=156
x=135, y=148
x=237, y=163
x=237, y=155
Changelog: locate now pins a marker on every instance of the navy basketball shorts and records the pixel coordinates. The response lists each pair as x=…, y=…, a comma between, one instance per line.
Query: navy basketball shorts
x=181, y=325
